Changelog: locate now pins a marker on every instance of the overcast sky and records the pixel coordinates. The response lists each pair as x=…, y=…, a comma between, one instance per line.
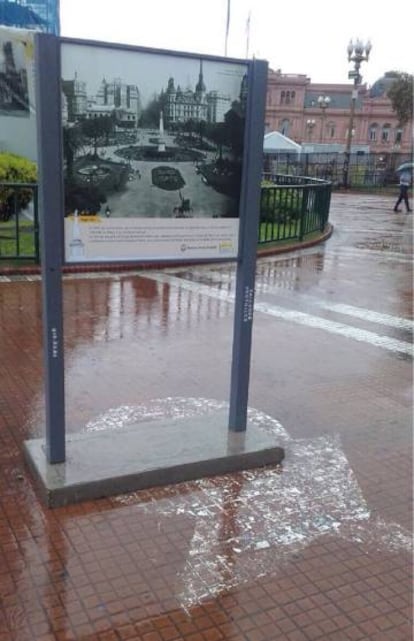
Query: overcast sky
x=300, y=37
x=149, y=72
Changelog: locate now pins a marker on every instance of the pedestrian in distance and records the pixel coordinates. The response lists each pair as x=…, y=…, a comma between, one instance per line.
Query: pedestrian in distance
x=405, y=182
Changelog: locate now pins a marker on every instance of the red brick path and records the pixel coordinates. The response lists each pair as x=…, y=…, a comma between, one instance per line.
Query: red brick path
x=116, y=569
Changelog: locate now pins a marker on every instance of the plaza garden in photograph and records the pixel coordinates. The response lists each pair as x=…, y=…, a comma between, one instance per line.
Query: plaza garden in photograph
x=133, y=147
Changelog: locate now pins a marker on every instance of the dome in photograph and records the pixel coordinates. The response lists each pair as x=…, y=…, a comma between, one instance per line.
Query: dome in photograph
x=383, y=85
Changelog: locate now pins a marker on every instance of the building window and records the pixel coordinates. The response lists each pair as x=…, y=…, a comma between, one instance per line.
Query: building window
x=385, y=133
x=331, y=129
x=284, y=129
x=282, y=98
x=373, y=132
x=398, y=136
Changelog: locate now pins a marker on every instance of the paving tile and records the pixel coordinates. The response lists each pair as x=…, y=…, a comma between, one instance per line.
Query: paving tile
x=197, y=562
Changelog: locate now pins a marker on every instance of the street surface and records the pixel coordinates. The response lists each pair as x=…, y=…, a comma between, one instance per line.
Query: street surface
x=318, y=549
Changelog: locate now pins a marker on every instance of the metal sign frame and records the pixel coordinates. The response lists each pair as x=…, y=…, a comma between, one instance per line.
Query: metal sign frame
x=51, y=210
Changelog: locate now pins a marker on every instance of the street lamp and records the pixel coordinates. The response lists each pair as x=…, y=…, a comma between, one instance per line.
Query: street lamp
x=310, y=126
x=358, y=52
x=323, y=102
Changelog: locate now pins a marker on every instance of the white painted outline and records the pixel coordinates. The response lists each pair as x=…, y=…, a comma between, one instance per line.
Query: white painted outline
x=244, y=530
x=297, y=317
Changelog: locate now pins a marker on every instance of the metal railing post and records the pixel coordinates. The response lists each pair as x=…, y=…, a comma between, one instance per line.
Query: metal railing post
x=303, y=211
x=36, y=224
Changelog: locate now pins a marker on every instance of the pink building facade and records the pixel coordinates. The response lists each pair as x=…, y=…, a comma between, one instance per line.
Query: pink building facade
x=292, y=108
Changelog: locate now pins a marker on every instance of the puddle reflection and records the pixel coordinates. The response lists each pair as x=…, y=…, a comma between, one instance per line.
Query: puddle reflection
x=124, y=308
x=294, y=273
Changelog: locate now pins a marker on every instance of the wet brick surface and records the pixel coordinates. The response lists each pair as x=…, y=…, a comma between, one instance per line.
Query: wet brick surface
x=317, y=550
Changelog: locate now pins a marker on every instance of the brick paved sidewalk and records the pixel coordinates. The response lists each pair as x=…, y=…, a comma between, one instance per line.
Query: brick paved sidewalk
x=315, y=550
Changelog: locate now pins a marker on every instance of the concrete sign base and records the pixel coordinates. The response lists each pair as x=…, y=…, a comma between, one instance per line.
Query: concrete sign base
x=148, y=454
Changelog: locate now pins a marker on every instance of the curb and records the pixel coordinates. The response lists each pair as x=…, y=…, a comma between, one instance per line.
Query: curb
x=29, y=270
x=303, y=245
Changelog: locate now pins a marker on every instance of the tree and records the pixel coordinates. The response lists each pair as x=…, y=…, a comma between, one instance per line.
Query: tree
x=401, y=96
x=83, y=198
x=201, y=131
x=71, y=143
x=218, y=134
x=190, y=127
x=150, y=117
x=235, y=130
x=97, y=128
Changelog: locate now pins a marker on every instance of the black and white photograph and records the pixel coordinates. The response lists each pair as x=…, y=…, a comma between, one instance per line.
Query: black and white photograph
x=151, y=134
x=16, y=55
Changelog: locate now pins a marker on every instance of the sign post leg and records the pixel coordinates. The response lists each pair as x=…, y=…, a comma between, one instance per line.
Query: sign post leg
x=48, y=100
x=246, y=264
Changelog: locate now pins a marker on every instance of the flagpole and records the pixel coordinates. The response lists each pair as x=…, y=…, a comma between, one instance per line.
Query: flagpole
x=227, y=27
x=248, y=34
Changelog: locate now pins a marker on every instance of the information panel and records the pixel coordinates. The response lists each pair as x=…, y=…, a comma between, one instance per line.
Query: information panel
x=146, y=155
x=153, y=154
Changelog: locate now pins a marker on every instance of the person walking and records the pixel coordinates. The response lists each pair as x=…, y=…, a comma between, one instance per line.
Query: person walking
x=405, y=182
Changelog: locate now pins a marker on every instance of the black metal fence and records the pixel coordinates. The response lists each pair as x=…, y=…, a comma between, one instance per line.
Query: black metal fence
x=365, y=170
x=292, y=207
x=19, y=222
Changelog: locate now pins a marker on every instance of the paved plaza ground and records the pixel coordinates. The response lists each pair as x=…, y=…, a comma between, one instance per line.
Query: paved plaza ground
x=317, y=549
x=141, y=195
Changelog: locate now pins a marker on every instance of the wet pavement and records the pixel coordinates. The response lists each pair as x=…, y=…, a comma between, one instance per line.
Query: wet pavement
x=318, y=549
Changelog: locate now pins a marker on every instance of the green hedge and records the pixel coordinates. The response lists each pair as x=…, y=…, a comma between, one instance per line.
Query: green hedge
x=279, y=205
x=15, y=169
